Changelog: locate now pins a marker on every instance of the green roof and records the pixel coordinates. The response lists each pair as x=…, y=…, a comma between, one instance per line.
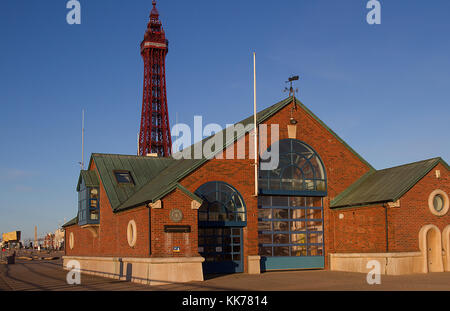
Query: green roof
x=156, y=177
x=71, y=222
x=89, y=177
x=386, y=185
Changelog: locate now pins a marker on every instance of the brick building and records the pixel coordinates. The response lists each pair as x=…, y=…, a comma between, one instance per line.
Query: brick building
x=161, y=219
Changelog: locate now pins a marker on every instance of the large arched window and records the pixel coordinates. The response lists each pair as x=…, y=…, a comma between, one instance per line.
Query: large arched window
x=300, y=171
x=222, y=205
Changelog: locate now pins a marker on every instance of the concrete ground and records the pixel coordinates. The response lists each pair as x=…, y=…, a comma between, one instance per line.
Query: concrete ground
x=48, y=275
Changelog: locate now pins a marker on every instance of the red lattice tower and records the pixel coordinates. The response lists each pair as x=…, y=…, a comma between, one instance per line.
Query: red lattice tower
x=154, y=136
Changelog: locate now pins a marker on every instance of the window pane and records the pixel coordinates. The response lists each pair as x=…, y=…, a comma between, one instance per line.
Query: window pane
x=265, y=251
x=315, y=226
x=297, y=213
x=297, y=225
x=298, y=238
x=265, y=213
x=264, y=226
x=265, y=238
x=315, y=238
x=315, y=250
x=281, y=238
x=281, y=251
x=280, y=213
x=280, y=226
x=298, y=250
x=123, y=177
x=280, y=201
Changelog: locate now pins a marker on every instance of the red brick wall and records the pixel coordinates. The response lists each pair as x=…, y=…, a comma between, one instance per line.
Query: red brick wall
x=362, y=230
x=413, y=213
x=112, y=236
x=239, y=174
x=163, y=242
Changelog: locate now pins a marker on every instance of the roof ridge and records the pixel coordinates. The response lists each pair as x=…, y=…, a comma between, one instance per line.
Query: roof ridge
x=411, y=163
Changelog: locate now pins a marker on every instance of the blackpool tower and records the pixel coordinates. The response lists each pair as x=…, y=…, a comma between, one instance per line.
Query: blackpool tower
x=154, y=135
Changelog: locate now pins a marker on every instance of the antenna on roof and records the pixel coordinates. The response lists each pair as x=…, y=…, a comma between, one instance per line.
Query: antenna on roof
x=82, y=141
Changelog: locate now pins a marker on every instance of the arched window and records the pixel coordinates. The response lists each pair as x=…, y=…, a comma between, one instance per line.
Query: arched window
x=300, y=171
x=222, y=205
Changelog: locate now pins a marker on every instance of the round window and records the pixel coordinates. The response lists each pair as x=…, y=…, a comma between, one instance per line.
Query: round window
x=438, y=202
x=71, y=240
x=131, y=233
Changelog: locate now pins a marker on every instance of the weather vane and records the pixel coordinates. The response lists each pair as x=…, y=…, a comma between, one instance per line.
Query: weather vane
x=291, y=89
x=292, y=92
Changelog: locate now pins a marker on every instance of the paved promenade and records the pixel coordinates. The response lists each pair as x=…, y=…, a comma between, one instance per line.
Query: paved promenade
x=48, y=275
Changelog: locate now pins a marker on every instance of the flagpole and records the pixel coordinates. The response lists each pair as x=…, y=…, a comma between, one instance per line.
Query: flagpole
x=255, y=124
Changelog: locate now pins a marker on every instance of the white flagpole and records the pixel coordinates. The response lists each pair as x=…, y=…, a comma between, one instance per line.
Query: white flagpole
x=82, y=141
x=255, y=124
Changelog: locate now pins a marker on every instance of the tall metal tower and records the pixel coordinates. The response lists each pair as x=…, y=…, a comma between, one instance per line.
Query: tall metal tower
x=154, y=136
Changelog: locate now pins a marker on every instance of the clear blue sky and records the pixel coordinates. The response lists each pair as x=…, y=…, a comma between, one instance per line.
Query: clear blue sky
x=383, y=88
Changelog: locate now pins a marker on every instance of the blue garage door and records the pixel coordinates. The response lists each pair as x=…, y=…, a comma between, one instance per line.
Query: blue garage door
x=290, y=232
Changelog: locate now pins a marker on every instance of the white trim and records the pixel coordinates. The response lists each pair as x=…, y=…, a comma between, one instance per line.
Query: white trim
x=131, y=233
x=431, y=202
x=71, y=240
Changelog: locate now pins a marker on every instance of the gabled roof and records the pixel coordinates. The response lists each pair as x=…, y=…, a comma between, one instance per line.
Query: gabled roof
x=156, y=177
x=142, y=170
x=71, y=222
x=386, y=185
x=89, y=177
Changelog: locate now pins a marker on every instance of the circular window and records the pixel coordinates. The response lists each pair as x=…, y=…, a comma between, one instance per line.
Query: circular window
x=71, y=240
x=438, y=202
x=131, y=233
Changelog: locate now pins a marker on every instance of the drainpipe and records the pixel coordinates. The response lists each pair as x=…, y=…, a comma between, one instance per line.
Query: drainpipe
x=385, y=205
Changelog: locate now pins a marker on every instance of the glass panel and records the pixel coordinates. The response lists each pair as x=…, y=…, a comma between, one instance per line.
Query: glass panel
x=315, y=250
x=297, y=213
x=298, y=250
x=315, y=225
x=202, y=216
x=280, y=226
x=235, y=231
x=313, y=213
x=264, y=213
x=281, y=251
x=94, y=215
x=280, y=213
x=236, y=248
x=298, y=238
x=237, y=257
x=315, y=238
x=280, y=201
x=264, y=201
x=297, y=225
x=265, y=251
x=297, y=201
x=281, y=238
x=265, y=238
x=264, y=226
x=438, y=203
x=123, y=177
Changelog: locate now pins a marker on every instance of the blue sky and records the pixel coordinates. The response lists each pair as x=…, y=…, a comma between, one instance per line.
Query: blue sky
x=382, y=88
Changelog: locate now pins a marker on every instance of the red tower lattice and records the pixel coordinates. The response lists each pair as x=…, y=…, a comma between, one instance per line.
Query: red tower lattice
x=154, y=136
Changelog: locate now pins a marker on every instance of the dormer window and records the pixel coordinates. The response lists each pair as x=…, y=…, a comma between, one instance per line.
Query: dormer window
x=124, y=177
x=88, y=199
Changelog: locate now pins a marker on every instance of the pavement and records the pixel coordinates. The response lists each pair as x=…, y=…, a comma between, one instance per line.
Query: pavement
x=48, y=275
